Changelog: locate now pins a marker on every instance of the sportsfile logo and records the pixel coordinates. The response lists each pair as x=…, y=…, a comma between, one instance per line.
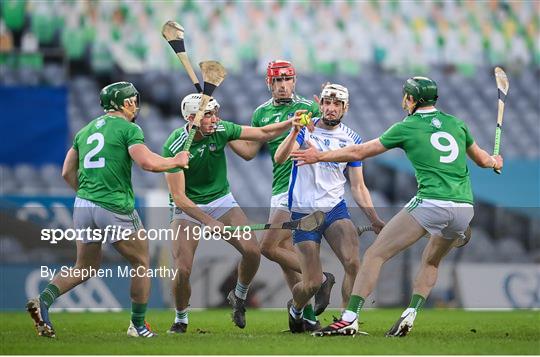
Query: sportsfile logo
x=90, y=235
x=113, y=233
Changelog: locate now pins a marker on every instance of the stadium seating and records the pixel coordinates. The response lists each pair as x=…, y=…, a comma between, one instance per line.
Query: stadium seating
x=450, y=32
x=373, y=67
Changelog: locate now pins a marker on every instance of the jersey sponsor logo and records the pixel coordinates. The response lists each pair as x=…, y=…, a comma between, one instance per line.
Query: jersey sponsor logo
x=329, y=165
x=100, y=123
x=315, y=138
x=275, y=118
x=436, y=123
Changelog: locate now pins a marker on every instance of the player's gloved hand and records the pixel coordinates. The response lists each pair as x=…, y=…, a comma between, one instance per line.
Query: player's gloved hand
x=498, y=162
x=182, y=158
x=377, y=225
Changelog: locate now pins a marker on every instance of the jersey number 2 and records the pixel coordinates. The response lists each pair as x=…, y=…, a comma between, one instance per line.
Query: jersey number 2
x=451, y=147
x=100, y=162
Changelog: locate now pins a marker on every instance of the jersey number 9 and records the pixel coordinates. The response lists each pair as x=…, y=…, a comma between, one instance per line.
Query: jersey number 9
x=452, y=146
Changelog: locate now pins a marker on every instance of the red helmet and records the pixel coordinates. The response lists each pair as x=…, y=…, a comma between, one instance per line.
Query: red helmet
x=279, y=68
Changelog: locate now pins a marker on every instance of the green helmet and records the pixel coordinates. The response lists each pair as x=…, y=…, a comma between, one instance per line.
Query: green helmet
x=422, y=89
x=112, y=96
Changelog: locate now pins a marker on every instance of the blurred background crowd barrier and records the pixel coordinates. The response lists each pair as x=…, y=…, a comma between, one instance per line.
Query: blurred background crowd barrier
x=55, y=56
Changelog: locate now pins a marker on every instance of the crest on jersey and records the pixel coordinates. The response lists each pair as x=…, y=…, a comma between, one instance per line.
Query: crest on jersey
x=212, y=147
x=436, y=123
x=100, y=123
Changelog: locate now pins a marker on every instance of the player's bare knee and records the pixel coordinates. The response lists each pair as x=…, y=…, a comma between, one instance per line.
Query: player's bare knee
x=137, y=260
x=351, y=265
x=373, y=256
x=88, y=263
x=432, y=262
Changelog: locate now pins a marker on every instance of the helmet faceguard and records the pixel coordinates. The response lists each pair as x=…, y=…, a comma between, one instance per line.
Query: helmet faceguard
x=335, y=92
x=279, y=69
x=112, y=97
x=422, y=89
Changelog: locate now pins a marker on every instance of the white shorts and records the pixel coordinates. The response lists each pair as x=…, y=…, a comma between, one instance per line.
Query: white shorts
x=279, y=202
x=86, y=214
x=215, y=209
x=442, y=218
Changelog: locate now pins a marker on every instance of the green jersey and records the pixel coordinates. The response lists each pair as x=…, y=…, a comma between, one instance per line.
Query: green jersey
x=105, y=163
x=267, y=114
x=206, y=177
x=436, y=144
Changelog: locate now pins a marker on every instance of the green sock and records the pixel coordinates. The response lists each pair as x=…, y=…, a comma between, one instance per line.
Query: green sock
x=417, y=301
x=49, y=294
x=309, y=314
x=355, y=303
x=137, y=314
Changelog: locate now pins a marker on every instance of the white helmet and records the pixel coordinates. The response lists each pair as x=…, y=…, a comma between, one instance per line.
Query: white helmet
x=190, y=104
x=337, y=91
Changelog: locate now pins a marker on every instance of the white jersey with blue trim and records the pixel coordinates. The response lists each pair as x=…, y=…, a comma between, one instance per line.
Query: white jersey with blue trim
x=321, y=186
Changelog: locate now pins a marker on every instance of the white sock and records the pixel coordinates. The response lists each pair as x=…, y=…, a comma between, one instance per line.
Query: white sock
x=407, y=311
x=349, y=316
x=181, y=316
x=295, y=313
x=241, y=290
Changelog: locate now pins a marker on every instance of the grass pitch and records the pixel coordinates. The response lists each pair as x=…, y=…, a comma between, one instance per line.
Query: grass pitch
x=212, y=332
